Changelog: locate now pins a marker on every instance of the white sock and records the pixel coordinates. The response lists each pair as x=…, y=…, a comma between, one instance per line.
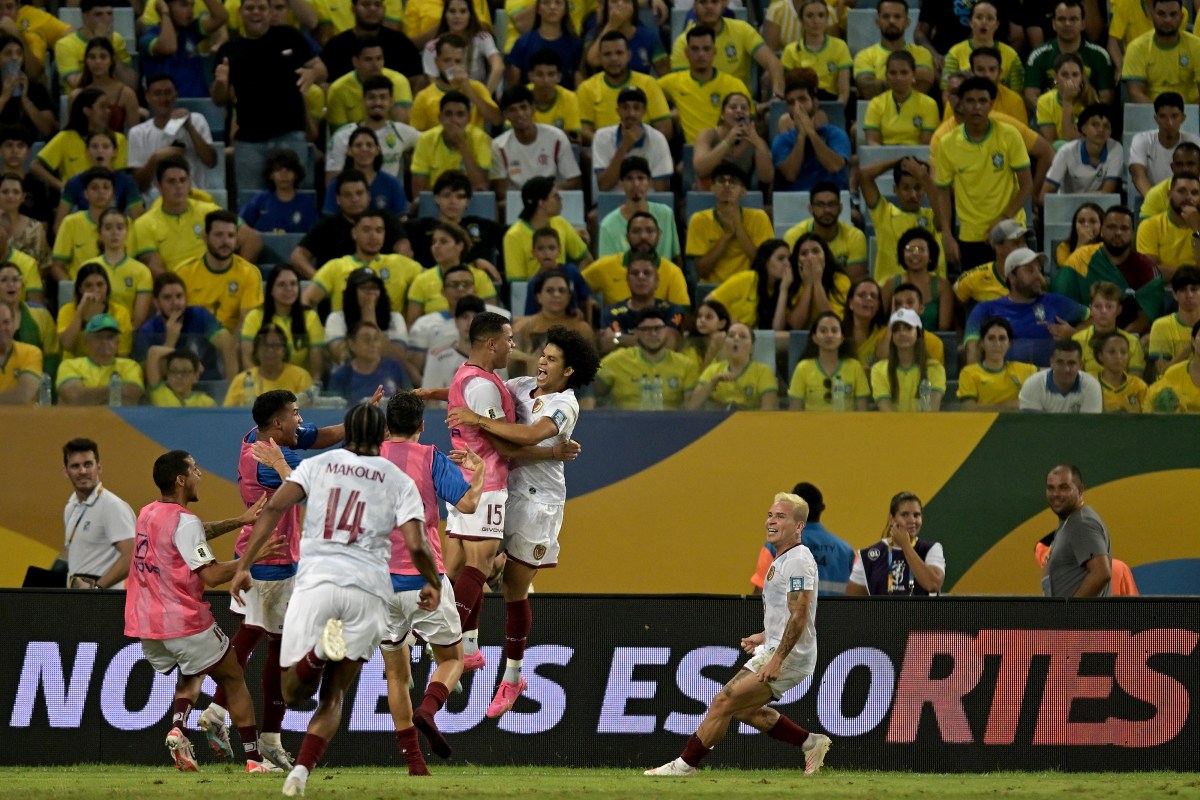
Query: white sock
x=470, y=642
x=214, y=712
x=512, y=669
x=270, y=739
x=299, y=772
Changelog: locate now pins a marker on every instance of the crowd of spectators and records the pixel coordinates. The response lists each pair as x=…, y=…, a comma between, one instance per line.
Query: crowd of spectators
x=757, y=207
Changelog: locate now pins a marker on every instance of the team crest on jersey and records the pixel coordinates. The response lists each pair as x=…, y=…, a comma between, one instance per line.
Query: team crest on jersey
x=539, y=551
x=559, y=122
x=129, y=283
x=748, y=391
x=197, y=229
x=473, y=230
x=715, y=99
x=922, y=222
x=390, y=140
x=673, y=383
x=997, y=161
x=295, y=217
x=543, y=159
x=873, y=553
x=917, y=121
x=730, y=51
x=233, y=287
x=831, y=67
x=1183, y=61
x=537, y=405
x=385, y=273
x=771, y=572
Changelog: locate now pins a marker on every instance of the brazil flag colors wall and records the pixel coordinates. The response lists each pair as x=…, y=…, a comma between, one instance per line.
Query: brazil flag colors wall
x=675, y=502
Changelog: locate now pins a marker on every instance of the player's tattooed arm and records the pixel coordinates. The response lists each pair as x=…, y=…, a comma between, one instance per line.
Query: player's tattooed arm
x=214, y=529
x=797, y=623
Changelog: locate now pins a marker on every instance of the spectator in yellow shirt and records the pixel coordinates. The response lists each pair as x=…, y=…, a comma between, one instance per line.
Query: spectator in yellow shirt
x=723, y=240
x=20, y=363
x=86, y=381
x=172, y=379
x=901, y=115
x=542, y=208
x=271, y=370
x=450, y=57
x=220, y=280
x=736, y=43
x=344, y=102
x=93, y=298
x=455, y=144
x=65, y=155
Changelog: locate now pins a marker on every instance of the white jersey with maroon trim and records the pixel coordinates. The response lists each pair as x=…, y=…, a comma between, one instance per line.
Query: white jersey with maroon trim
x=542, y=481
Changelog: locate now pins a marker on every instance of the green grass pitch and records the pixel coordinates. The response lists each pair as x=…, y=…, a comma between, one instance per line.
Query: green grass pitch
x=95, y=782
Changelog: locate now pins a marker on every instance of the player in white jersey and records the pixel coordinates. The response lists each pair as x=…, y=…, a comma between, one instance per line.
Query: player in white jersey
x=338, y=609
x=546, y=413
x=785, y=653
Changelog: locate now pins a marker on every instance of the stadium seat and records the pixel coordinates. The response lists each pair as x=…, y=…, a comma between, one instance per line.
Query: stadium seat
x=776, y=110
x=884, y=152
x=66, y=292
x=764, y=347
x=689, y=167
x=607, y=202
x=797, y=344
x=860, y=135
x=834, y=110
x=215, y=175
x=483, y=204
x=518, y=295
x=703, y=290
x=277, y=248
x=950, y=341
x=1060, y=210
x=213, y=114
x=861, y=31
x=792, y=207
x=220, y=197
x=698, y=201
x=122, y=24
x=572, y=211
x=1140, y=117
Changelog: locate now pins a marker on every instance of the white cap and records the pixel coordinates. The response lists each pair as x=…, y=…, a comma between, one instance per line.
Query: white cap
x=1020, y=257
x=907, y=316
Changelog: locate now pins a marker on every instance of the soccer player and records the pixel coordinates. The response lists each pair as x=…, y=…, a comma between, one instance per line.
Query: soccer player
x=280, y=432
x=338, y=611
x=546, y=413
x=476, y=537
x=785, y=653
x=437, y=479
x=165, y=607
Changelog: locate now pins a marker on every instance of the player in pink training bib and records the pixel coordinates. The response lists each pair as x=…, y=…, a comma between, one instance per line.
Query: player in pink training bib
x=165, y=607
x=437, y=479
x=474, y=539
x=268, y=455
x=784, y=653
x=337, y=614
x=547, y=411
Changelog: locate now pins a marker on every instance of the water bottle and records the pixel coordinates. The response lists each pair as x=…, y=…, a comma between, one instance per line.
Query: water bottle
x=248, y=392
x=313, y=394
x=837, y=393
x=925, y=395
x=646, y=400
x=45, y=395
x=114, y=389
x=656, y=393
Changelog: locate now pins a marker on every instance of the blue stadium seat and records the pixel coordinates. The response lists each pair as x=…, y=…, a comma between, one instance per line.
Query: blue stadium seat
x=482, y=204
x=950, y=341
x=213, y=114
x=572, y=211
x=797, y=343
x=518, y=294
x=764, y=347
x=1060, y=210
x=698, y=201
x=277, y=248
x=861, y=31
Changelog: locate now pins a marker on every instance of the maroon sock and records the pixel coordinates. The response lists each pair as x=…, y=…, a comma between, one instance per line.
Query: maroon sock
x=182, y=708
x=311, y=751
x=243, y=643
x=249, y=737
x=434, y=699
x=272, y=683
x=787, y=731
x=468, y=596
x=410, y=748
x=518, y=619
x=310, y=668
x=694, y=751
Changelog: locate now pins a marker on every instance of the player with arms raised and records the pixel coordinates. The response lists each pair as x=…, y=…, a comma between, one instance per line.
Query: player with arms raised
x=437, y=479
x=165, y=608
x=337, y=613
x=268, y=455
x=546, y=410
x=785, y=653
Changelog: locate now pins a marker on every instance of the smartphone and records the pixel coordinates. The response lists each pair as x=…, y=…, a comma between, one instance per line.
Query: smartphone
x=11, y=70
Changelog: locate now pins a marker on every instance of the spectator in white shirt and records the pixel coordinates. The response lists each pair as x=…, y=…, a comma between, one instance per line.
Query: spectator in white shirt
x=1064, y=388
x=631, y=137
x=1150, y=152
x=170, y=131
x=394, y=137
x=530, y=149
